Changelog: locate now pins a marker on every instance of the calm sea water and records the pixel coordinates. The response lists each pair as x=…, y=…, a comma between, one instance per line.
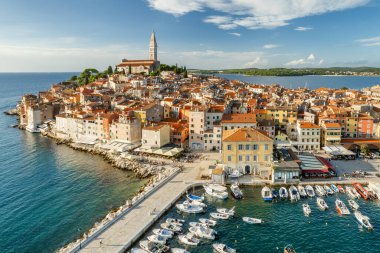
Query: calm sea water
x=311, y=82
x=49, y=194
x=285, y=223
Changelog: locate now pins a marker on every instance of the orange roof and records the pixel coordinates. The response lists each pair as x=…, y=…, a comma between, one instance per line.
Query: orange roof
x=332, y=125
x=245, y=134
x=308, y=125
x=239, y=118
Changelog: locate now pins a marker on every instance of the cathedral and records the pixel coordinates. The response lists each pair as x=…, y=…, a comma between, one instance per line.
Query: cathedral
x=139, y=66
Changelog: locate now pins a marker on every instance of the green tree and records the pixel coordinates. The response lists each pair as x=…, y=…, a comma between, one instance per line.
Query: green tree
x=109, y=70
x=364, y=149
x=129, y=69
x=87, y=76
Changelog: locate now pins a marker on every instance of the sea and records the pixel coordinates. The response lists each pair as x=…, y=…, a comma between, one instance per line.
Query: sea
x=51, y=194
x=284, y=224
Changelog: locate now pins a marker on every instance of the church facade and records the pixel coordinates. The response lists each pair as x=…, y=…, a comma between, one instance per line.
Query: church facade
x=142, y=66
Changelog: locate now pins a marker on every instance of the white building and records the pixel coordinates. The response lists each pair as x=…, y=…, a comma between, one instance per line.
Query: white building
x=155, y=136
x=308, y=136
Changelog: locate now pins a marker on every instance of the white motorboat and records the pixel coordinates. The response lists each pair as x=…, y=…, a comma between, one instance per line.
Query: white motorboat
x=152, y=247
x=177, y=222
x=363, y=220
x=195, y=203
x=306, y=209
x=302, y=191
x=179, y=250
x=320, y=191
x=157, y=239
x=294, y=195
x=189, y=239
x=207, y=222
x=266, y=194
x=163, y=232
x=230, y=212
x=235, y=174
x=222, y=248
x=352, y=193
x=310, y=191
x=237, y=193
x=353, y=204
x=322, y=204
x=328, y=190
x=195, y=197
x=334, y=188
x=197, y=224
x=341, y=208
x=137, y=250
x=203, y=232
x=216, y=190
x=250, y=220
x=171, y=227
x=189, y=208
x=220, y=216
x=283, y=193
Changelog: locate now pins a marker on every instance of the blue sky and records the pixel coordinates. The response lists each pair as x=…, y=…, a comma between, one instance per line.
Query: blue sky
x=71, y=35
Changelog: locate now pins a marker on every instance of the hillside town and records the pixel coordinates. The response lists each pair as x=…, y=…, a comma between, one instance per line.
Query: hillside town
x=266, y=131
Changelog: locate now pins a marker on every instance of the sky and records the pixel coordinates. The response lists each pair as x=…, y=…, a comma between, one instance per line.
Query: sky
x=70, y=35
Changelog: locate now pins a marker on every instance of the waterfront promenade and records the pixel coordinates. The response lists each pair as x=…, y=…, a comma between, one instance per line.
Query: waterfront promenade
x=124, y=232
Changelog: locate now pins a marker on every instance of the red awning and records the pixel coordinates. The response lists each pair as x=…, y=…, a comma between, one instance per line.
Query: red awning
x=325, y=162
x=315, y=171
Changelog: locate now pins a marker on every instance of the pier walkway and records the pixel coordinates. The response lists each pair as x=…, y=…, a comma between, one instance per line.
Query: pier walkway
x=124, y=232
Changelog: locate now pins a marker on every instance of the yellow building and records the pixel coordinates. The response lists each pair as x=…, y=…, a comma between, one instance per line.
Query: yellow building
x=247, y=150
x=331, y=133
x=282, y=115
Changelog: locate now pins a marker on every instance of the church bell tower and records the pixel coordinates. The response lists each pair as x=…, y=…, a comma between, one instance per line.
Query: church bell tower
x=153, y=47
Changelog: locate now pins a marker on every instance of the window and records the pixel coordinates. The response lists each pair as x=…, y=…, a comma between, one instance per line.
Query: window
x=247, y=147
x=229, y=158
x=229, y=147
x=266, y=158
x=266, y=146
x=240, y=147
x=240, y=158
x=255, y=158
x=255, y=147
x=247, y=158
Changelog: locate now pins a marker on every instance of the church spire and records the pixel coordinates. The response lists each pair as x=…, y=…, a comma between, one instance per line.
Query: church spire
x=153, y=47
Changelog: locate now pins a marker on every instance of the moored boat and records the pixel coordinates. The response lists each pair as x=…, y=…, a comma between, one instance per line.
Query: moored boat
x=195, y=203
x=353, y=204
x=207, y=222
x=163, y=232
x=322, y=204
x=171, y=227
x=363, y=220
x=289, y=249
x=293, y=192
x=220, y=216
x=137, y=250
x=235, y=174
x=152, y=247
x=320, y=190
x=310, y=191
x=341, y=207
x=230, y=212
x=203, y=232
x=301, y=191
x=189, y=239
x=177, y=222
x=283, y=193
x=179, y=250
x=189, y=208
x=157, y=239
x=334, y=188
x=360, y=189
x=250, y=220
x=237, y=193
x=306, y=209
x=216, y=190
x=341, y=189
x=195, y=197
x=328, y=190
x=266, y=194
x=222, y=248
x=351, y=192
x=275, y=194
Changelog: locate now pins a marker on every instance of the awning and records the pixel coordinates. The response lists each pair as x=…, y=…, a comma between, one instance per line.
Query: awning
x=315, y=171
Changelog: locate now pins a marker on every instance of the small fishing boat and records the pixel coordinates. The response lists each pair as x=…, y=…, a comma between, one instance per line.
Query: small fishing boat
x=275, y=194
x=283, y=193
x=235, y=174
x=341, y=189
x=197, y=224
x=157, y=239
x=306, y=209
x=289, y=249
x=341, y=207
x=208, y=222
x=266, y=194
x=371, y=194
x=351, y=192
x=152, y=247
x=171, y=227
x=179, y=250
x=222, y=248
x=334, y=188
x=237, y=193
x=195, y=203
x=189, y=208
x=177, y=222
x=310, y=191
x=320, y=190
x=220, y=216
x=163, y=232
x=294, y=195
x=216, y=190
x=363, y=220
x=322, y=204
x=195, y=197
x=203, y=232
x=328, y=190
x=250, y=220
x=360, y=189
x=189, y=239
x=230, y=212
x=302, y=191
x=353, y=204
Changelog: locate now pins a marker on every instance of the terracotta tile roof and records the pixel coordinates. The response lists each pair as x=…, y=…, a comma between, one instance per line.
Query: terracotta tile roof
x=245, y=135
x=239, y=118
x=332, y=125
x=308, y=125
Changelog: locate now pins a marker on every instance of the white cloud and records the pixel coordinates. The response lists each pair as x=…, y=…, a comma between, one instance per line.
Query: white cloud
x=270, y=46
x=302, y=29
x=309, y=61
x=370, y=42
x=254, y=14
x=236, y=34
